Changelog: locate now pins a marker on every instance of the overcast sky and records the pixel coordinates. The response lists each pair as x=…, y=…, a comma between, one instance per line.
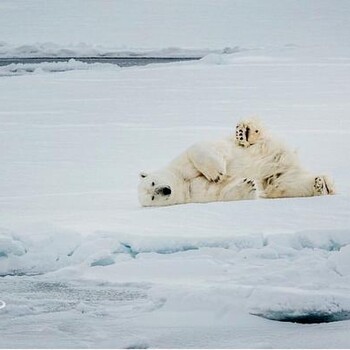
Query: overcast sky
x=176, y=23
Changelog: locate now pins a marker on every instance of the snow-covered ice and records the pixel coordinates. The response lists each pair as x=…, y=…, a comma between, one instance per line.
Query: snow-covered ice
x=83, y=265
x=91, y=268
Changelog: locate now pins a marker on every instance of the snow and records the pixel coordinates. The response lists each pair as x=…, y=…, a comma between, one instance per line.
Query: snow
x=76, y=247
x=340, y=262
x=83, y=265
x=48, y=67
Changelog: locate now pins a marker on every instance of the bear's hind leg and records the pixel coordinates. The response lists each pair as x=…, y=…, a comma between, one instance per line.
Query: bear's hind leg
x=323, y=186
x=296, y=185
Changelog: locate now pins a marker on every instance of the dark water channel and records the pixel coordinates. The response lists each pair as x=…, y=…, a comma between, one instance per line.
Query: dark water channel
x=120, y=61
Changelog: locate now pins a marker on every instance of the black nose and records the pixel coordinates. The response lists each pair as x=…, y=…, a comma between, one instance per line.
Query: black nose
x=166, y=191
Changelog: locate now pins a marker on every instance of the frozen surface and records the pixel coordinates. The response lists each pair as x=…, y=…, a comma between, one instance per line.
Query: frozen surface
x=82, y=264
x=48, y=67
x=85, y=266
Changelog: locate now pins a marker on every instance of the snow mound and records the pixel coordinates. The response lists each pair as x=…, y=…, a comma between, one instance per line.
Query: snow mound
x=330, y=240
x=285, y=55
x=10, y=246
x=47, y=248
x=47, y=67
x=49, y=49
x=341, y=261
x=301, y=306
x=34, y=252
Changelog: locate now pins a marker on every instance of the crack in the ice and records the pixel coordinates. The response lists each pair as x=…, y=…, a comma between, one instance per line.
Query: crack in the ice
x=127, y=248
x=15, y=273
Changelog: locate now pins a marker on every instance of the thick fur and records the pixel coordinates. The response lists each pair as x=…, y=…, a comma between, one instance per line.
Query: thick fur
x=274, y=166
x=248, y=164
x=182, y=181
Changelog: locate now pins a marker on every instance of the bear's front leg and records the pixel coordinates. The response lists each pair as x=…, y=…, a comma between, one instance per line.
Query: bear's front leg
x=208, y=161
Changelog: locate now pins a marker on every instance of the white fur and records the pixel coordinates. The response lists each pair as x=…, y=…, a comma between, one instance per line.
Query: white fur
x=221, y=171
x=274, y=166
x=188, y=184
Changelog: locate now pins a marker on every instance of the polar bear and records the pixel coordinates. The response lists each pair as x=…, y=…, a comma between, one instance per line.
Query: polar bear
x=247, y=165
x=171, y=185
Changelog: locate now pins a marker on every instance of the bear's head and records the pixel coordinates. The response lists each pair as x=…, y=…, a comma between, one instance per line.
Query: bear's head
x=157, y=189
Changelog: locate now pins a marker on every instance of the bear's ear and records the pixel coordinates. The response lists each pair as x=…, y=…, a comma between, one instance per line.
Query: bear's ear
x=143, y=174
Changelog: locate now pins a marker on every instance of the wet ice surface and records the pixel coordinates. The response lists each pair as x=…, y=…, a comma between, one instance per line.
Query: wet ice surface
x=46, y=313
x=42, y=313
x=202, y=297
x=48, y=293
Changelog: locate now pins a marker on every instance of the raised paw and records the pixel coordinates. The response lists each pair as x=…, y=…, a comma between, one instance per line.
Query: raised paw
x=323, y=186
x=247, y=134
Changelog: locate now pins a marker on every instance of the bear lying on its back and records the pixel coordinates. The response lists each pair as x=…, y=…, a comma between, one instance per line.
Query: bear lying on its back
x=246, y=166
x=182, y=182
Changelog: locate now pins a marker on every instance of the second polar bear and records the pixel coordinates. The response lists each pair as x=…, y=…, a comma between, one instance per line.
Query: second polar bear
x=232, y=169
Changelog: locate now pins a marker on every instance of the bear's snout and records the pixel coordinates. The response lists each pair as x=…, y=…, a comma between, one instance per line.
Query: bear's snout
x=166, y=191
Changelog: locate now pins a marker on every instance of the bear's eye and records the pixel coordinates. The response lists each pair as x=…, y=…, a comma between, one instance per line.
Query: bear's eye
x=152, y=198
x=152, y=183
x=256, y=130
